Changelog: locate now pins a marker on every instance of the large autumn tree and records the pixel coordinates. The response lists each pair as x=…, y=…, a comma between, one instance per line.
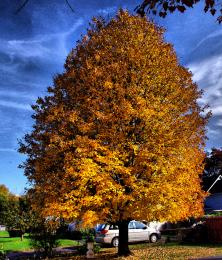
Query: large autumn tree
x=120, y=134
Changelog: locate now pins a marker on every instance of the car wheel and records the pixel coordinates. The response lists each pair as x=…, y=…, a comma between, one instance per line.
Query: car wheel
x=115, y=242
x=153, y=238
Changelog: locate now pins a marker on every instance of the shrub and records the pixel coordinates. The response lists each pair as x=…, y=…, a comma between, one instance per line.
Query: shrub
x=195, y=234
x=2, y=255
x=44, y=237
x=88, y=235
x=75, y=235
x=15, y=233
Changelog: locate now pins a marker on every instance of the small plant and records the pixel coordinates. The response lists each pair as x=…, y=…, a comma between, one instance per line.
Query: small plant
x=88, y=235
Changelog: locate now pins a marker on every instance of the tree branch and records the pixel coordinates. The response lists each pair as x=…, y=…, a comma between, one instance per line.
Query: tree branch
x=69, y=5
x=21, y=6
x=26, y=1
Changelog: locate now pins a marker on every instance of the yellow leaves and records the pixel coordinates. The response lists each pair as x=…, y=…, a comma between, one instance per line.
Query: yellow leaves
x=97, y=57
x=108, y=85
x=73, y=116
x=89, y=219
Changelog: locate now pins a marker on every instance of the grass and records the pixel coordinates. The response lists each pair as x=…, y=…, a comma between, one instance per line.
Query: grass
x=170, y=251
x=3, y=234
x=67, y=242
x=143, y=251
x=175, y=251
x=13, y=244
x=8, y=244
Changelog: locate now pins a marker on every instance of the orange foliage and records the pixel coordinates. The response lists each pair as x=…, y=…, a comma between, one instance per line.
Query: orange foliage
x=120, y=135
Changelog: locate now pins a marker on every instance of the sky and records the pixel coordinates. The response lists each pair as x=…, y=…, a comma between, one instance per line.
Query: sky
x=35, y=43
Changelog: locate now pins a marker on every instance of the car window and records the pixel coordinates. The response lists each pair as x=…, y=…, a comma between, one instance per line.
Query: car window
x=100, y=227
x=139, y=225
x=113, y=227
x=131, y=225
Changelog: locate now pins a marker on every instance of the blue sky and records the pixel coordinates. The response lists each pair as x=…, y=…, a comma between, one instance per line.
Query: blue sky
x=35, y=43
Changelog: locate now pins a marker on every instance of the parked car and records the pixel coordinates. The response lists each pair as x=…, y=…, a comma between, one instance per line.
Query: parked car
x=109, y=234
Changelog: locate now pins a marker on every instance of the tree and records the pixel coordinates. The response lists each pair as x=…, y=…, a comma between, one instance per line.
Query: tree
x=15, y=212
x=5, y=197
x=163, y=7
x=4, y=191
x=120, y=135
x=212, y=169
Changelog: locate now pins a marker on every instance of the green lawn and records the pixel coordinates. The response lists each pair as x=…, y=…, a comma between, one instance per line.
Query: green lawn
x=15, y=244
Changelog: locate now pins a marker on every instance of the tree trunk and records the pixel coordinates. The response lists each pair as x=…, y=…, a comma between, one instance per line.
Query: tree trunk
x=123, y=248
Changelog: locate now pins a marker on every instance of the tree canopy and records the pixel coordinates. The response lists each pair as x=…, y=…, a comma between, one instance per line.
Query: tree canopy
x=15, y=211
x=5, y=197
x=120, y=135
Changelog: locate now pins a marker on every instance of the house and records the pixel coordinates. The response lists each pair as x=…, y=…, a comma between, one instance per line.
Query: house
x=2, y=228
x=213, y=203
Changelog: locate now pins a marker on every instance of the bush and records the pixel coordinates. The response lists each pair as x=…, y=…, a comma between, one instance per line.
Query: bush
x=195, y=234
x=88, y=235
x=15, y=233
x=82, y=234
x=44, y=237
x=2, y=255
x=62, y=232
x=75, y=235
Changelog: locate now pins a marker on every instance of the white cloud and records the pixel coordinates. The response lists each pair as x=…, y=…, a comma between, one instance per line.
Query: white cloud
x=208, y=75
x=26, y=49
x=209, y=36
x=8, y=150
x=17, y=94
x=213, y=132
x=217, y=110
x=219, y=122
x=209, y=68
x=39, y=46
x=15, y=105
x=107, y=11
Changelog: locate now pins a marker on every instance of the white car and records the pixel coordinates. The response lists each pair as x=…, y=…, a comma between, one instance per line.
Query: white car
x=109, y=234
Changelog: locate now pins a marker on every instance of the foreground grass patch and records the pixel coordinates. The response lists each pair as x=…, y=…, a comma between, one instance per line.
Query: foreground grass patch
x=9, y=244
x=3, y=234
x=13, y=244
x=177, y=252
